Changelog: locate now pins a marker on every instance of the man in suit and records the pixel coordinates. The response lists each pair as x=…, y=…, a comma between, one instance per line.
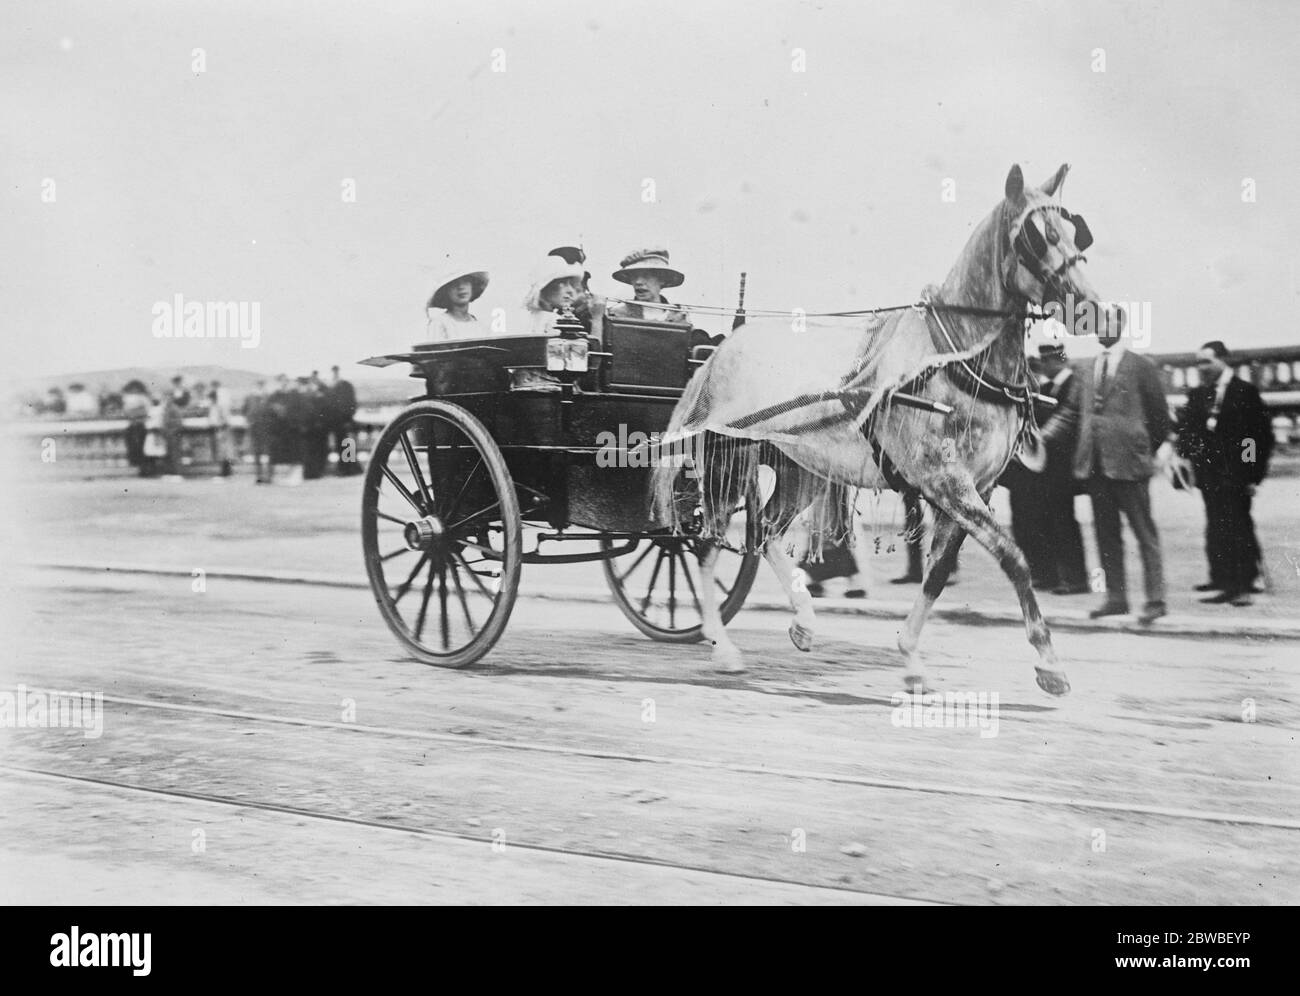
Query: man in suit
x=1123, y=421
x=342, y=406
x=1064, y=538
x=1225, y=432
x=1027, y=489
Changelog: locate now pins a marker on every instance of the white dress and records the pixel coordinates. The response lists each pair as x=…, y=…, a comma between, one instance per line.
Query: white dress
x=443, y=327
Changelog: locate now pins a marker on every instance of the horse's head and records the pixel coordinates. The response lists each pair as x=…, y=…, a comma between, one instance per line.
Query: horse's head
x=1045, y=264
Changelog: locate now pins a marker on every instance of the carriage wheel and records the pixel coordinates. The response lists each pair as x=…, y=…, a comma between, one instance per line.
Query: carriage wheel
x=657, y=585
x=440, y=529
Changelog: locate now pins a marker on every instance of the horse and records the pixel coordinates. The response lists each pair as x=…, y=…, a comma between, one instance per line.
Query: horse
x=934, y=398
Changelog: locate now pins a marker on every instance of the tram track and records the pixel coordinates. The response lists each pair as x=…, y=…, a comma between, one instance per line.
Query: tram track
x=445, y=833
x=704, y=764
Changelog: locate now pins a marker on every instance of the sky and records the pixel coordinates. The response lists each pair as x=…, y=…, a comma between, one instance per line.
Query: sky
x=807, y=144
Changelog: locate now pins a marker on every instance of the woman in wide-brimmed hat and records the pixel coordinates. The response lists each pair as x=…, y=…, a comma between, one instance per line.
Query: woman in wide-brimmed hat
x=556, y=285
x=448, y=307
x=649, y=272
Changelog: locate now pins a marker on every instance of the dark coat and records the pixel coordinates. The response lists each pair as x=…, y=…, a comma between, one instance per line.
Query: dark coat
x=1061, y=444
x=1123, y=428
x=341, y=402
x=1217, y=454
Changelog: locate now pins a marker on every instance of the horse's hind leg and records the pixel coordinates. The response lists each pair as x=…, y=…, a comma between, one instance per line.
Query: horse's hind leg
x=943, y=559
x=726, y=657
x=970, y=511
x=801, y=629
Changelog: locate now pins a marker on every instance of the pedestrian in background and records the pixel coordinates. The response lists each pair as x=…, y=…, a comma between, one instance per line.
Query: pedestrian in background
x=314, y=427
x=286, y=439
x=135, y=408
x=837, y=561
x=1064, y=540
x=257, y=416
x=1225, y=432
x=1027, y=488
x=154, y=450
x=1123, y=424
x=173, y=424
x=219, y=405
x=341, y=403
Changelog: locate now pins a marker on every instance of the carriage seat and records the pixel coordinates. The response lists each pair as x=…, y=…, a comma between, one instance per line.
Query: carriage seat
x=647, y=357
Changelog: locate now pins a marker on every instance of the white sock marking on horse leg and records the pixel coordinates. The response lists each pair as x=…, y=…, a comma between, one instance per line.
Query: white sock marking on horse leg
x=784, y=567
x=711, y=624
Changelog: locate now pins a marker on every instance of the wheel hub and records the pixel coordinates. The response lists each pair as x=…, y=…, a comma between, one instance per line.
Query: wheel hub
x=424, y=533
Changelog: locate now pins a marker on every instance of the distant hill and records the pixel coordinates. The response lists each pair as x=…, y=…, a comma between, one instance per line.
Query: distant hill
x=371, y=391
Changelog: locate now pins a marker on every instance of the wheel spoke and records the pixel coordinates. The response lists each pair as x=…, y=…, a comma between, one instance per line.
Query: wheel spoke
x=672, y=589
x=443, y=621
x=470, y=518
x=406, y=585
x=401, y=489
x=644, y=553
x=455, y=503
x=690, y=583
x=654, y=576
x=390, y=518
x=424, y=602
x=474, y=574
x=396, y=553
x=464, y=602
x=414, y=462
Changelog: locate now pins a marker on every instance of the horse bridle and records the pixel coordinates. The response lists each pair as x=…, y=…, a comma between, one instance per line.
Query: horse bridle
x=1031, y=246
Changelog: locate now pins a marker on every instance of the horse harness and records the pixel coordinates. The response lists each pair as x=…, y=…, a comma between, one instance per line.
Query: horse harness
x=981, y=385
x=1031, y=245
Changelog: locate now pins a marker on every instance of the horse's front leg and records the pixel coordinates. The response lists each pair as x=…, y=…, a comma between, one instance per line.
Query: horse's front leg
x=970, y=510
x=726, y=657
x=801, y=629
x=943, y=559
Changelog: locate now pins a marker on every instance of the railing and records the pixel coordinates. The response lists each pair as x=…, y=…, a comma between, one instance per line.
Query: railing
x=102, y=442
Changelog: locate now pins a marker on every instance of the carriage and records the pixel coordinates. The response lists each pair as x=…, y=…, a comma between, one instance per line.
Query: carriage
x=533, y=449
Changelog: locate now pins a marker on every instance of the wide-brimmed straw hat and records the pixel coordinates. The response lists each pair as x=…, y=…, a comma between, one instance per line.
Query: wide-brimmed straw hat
x=549, y=270
x=448, y=278
x=648, y=261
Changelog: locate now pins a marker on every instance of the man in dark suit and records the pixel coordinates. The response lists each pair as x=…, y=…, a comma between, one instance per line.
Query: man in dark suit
x=342, y=405
x=1123, y=421
x=1027, y=487
x=1064, y=538
x=1225, y=432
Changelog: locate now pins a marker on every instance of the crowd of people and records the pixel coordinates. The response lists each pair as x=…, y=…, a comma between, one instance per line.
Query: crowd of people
x=294, y=427
x=297, y=425
x=1108, y=435
x=156, y=422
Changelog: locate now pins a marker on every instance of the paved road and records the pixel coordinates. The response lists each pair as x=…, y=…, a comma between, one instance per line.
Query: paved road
x=269, y=743
x=48, y=513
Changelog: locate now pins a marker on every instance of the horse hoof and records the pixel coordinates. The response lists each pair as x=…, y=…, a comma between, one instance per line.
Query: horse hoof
x=914, y=683
x=1052, y=682
x=801, y=637
x=728, y=660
